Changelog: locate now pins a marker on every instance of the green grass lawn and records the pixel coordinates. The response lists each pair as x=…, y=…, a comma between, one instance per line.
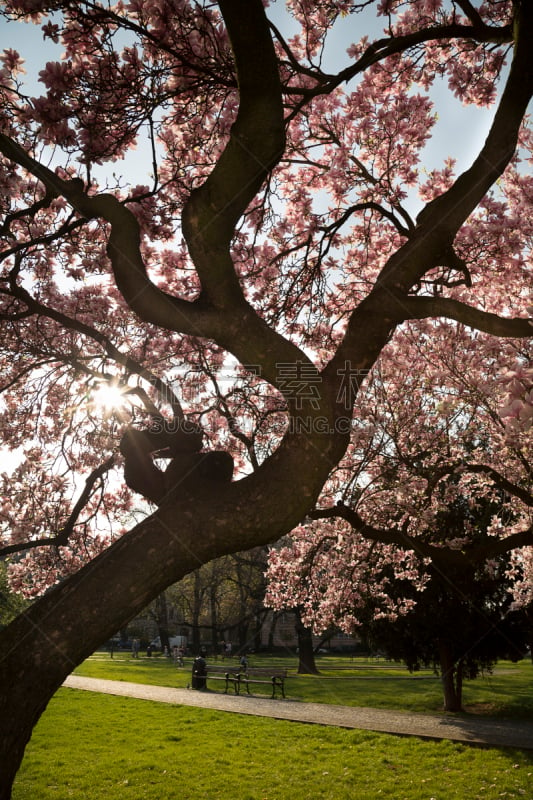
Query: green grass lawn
x=507, y=692
x=101, y=747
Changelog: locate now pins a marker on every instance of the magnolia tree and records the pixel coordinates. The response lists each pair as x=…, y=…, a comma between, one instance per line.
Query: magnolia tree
x=193, y=344
x=436, y=460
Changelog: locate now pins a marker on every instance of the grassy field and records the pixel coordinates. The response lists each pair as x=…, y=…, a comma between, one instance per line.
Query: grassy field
x=507, y=692
x=98, y=746
x=107, y=748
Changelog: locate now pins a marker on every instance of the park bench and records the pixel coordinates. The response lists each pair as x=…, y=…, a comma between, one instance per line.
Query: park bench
x=273, y=677
x=237, y=677
x=220, y=673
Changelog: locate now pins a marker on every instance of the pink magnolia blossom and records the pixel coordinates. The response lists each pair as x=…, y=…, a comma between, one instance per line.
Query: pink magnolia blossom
x=307, y=251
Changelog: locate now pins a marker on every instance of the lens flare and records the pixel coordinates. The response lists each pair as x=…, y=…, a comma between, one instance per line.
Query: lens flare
x=108, y=397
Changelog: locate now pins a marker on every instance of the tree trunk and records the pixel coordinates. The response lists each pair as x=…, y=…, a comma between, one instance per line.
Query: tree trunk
x=42, y=646
x=196, y=609
x=451, y=679
x=213, y=608
x=529, y=622
x=162, y=621
x=459, y=675
x=259, y=621
x=272, y=630
x=306, y=654
x=243, y=629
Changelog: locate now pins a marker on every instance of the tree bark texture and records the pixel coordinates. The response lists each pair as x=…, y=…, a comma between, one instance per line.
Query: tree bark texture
x=306, y=653
x=451, y=681
x=42, y=646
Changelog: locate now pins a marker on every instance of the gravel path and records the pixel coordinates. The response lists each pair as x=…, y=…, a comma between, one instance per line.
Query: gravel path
x=474, y=730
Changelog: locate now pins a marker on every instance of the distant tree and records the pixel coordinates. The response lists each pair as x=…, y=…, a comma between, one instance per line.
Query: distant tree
x=223, y=599
x=522, y=562
x=462, y=623
x=456, y=615
x=161, y=617
x=249, y=585
x=426, y=441
x=191, y=596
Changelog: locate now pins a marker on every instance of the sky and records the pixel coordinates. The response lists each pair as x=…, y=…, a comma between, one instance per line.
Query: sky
x=459, y=131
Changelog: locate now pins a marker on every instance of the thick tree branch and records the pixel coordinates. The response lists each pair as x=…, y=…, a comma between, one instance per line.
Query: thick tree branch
x=502, y=482
x=255, y=146
x=439, y=555
x=386, y=306
x=435, y=474
x=144, y=297
x=449, y=211
x=515, y=541
x=256, y=143
x=388, y=536
x=439, y=222
x=424, y=307
x=471, y=12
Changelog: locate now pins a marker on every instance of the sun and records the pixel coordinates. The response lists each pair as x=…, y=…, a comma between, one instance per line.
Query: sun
x=109, y=397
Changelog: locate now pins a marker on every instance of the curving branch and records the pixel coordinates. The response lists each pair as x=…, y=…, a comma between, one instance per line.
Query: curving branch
x=438, y=223
x=448, y=211
x=389, y=46
x=34, y=307
x=382, y=49
x=502, y=482
x=424, y=307
x=436, y=473
x=61, y=539
x=389, y=536
x=371, y=205
x=390, y=302
x=438, y=554
x=256, y=144
x=144, y=297
x=471, y=12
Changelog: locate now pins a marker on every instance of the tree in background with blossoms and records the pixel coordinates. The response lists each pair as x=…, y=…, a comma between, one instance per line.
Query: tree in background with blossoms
x=436, y=473
x=183, y=354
